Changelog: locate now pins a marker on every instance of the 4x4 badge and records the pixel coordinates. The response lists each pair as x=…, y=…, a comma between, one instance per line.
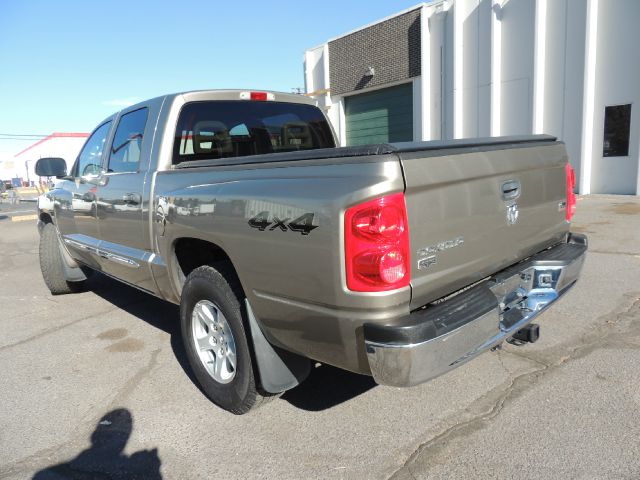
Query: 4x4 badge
x=303, y=224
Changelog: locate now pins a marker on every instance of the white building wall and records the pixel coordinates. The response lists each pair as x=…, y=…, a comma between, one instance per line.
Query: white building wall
x=316, y=80
x=437, y=24
x=564, y=74
x=484, y=69
x=313, y=68
x=617, y=81
x=422, y=84
x=448, y=76
x=428, y=94
x=576, y=18
x=518, y=20
x=476, y=67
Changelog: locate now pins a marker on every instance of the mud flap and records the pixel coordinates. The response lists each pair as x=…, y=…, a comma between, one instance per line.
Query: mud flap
x=279, y=369
x=72, y=271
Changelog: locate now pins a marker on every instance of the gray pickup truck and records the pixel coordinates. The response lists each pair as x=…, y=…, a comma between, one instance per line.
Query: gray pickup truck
x=400, y=261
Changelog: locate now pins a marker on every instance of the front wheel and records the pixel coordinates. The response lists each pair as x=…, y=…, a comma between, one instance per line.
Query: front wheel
x=215, y=340
x=52, y=263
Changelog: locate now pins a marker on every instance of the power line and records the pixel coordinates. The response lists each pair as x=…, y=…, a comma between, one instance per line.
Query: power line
x=21, y=138
x=31, y=137
x=24, y=134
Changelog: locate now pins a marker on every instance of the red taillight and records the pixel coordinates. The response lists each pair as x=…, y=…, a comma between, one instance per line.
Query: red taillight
x=377, y=245
x=571, y=197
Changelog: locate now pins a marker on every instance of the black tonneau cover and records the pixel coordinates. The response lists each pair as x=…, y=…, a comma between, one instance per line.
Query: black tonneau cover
x=469, y=144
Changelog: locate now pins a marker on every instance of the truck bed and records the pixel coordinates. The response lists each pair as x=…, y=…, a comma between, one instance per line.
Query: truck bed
x=452, y=190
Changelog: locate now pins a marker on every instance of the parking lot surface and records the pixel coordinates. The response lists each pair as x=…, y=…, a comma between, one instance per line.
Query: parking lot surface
x=95, y=385
x=23, y=211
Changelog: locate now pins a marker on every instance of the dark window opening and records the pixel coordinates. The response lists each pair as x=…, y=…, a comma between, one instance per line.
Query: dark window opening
x=617, y=125
x=236, y=128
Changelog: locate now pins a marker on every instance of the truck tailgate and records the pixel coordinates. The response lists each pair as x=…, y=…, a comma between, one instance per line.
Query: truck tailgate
x=475, y=210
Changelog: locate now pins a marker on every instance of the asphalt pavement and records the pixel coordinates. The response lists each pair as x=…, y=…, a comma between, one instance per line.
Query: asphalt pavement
x=95, y=385
x=17, y=211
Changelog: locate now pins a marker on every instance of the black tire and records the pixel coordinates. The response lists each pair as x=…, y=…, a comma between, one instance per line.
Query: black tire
x=220, y=287
x=51, y=263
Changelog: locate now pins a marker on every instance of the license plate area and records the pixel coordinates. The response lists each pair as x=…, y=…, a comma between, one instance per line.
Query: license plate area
x=525, y=293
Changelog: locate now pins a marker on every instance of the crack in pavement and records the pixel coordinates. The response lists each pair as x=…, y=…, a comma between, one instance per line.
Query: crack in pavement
x=496, y=398
x=44, y=333
x=15, y=254
x=61, y=327
x=531, y=359
x=491, y=404
x=127, y=389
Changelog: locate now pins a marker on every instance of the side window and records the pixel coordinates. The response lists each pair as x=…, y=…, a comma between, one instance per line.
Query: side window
x=90, y=158
x=127, y=142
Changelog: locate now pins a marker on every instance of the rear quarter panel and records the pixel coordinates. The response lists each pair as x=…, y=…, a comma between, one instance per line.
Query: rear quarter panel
x=295, y=282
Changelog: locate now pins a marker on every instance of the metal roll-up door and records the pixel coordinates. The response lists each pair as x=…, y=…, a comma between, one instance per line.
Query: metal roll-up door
x=381, y=116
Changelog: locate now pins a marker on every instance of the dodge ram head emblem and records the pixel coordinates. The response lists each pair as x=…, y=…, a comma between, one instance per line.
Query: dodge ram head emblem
x=512, y=214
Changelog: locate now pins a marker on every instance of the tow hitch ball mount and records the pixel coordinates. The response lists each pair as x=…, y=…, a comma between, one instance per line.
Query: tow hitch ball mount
x=528, y=334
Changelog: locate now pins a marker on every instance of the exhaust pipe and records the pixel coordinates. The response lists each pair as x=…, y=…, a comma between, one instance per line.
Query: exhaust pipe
x=528, y=334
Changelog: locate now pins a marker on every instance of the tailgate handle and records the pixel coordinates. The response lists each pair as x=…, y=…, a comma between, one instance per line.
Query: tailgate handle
x=510, y=190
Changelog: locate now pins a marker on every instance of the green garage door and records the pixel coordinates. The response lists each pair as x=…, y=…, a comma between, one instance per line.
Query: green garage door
x=382, y=116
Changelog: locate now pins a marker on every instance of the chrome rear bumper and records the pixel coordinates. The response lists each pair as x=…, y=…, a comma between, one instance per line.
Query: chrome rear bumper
x=434, y=340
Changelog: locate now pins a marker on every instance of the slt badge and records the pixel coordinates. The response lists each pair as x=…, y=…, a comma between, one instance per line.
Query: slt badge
x=428, y=254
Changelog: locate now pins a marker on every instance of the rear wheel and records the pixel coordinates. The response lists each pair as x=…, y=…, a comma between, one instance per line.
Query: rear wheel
x=215, y=339
x=52, y=263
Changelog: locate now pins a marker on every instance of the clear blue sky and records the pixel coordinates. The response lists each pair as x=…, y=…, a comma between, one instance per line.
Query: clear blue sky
x=65, y=65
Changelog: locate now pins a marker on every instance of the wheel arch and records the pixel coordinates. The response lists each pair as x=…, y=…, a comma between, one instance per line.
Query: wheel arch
x=45, y=217
x=277, y=370
x=189, y=253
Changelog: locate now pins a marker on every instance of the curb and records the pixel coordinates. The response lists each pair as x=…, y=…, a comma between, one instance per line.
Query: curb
x=23, y=218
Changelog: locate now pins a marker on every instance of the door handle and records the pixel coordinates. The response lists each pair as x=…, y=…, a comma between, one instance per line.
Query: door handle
x=510, y=190
x=131, y=199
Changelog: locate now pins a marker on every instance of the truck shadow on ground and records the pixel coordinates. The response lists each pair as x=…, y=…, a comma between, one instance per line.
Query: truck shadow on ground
x=105, y=457
x=325, y=387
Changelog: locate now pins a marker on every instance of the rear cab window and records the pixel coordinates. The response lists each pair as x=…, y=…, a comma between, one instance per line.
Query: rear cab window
x=235, y=128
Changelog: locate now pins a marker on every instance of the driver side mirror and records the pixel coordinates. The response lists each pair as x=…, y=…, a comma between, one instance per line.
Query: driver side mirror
x=51, y=167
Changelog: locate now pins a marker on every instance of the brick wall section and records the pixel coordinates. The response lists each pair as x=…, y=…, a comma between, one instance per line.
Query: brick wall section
x=392, y=48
